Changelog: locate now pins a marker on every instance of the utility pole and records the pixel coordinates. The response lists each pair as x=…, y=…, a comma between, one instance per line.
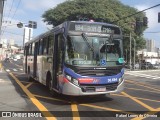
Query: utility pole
x=134, y=54
x=1, y=16
x=1, y=13
x=130, y=38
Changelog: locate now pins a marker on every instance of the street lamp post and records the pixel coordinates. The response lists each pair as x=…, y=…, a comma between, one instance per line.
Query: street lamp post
x=30, y=25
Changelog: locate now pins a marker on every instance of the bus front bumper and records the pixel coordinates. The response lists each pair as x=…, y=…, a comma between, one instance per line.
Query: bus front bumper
x=71, y=89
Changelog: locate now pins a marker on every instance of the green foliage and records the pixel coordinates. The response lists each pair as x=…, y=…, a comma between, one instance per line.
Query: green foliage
x=110, y=11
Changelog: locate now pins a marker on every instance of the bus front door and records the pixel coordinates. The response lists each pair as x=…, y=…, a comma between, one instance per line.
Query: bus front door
x=57, y=61
x=35, y=60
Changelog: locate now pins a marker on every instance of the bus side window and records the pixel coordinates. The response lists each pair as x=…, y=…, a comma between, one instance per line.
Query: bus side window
x=60, y=51
x=50, y=44
x=37, y=50
x=40, y=47
x=33, y=45
x=45, y=40
x=30, y=49
x=27, y=50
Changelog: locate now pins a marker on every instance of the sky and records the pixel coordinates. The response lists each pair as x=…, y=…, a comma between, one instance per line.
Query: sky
x=31, y=10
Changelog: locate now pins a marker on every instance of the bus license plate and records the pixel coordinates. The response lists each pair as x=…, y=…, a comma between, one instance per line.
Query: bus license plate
x=100, y=89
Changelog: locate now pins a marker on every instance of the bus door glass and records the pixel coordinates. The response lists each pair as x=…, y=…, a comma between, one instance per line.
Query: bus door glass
x=26, y=54
x=35, y=59
x=58, y=56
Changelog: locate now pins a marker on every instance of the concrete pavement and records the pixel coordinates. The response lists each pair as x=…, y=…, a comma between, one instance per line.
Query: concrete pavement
x=11, y=97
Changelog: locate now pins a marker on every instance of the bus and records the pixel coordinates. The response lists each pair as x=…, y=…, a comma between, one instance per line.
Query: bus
x=77, y=58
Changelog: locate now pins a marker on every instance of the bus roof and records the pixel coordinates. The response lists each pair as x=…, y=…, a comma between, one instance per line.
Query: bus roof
x=63, y=24
x=99, y=23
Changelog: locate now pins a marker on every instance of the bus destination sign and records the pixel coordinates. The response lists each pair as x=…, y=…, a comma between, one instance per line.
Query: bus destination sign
x=94, y=28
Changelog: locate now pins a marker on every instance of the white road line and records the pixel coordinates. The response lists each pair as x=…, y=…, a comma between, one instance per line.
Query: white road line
x=144, y=75
x=7, y=70
x=15, y=70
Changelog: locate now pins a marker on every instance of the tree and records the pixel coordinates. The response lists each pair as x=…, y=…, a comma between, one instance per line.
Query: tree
x=101, y=11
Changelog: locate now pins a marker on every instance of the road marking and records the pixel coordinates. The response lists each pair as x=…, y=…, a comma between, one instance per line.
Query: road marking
x=0, y=66
x=7, y=70
x=141, y=90
x=136, y=98
x=131, y=81
x=37, y=103
x=15, y=70
x=75, y=111
x=106, y=108
x=143, y=75
x=73, y=106
x=142, y=84
x=4, y=81
x=27, y=86
x=138, y=101
x=16, y=64
x=51, y=98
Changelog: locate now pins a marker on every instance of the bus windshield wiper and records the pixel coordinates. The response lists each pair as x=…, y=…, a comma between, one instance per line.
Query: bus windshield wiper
x=88, y=44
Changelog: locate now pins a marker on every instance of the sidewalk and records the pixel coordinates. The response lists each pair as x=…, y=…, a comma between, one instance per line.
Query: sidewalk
x=10, y=99
x=13, y=99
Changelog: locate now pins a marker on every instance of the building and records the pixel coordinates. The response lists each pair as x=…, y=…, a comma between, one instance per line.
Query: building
x=8, y=49
x=28, y=34
x=150, y=45
x=11, y=41
x=152, y=57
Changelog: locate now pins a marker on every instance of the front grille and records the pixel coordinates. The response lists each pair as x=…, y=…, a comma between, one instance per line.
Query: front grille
x=98, y=72
x=92, y=87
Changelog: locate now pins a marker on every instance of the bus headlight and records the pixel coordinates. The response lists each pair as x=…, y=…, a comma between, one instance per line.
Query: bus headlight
x=75, y=81
x=121, y=79
x=72, y=80
x=68, y=77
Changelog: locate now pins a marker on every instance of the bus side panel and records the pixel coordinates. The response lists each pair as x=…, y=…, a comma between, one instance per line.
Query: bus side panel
x=30, y=63
x=39, y=68
x=46, y=66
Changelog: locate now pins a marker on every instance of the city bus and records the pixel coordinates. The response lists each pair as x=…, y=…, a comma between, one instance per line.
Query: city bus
x=77, y=58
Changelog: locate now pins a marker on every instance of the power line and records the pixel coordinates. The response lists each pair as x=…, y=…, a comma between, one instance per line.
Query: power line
x=1, y=17
x=12, y=33
x=16, y=8
x=17, y=34
x=10, y=8
x=4, y=13
x=9, y=14
x=153, y=32
x=136, y=13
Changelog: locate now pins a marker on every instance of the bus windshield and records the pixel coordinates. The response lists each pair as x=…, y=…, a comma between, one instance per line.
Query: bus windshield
x=92, y=51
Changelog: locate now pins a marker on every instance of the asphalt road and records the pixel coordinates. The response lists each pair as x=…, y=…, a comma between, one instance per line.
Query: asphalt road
x=139, y=100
